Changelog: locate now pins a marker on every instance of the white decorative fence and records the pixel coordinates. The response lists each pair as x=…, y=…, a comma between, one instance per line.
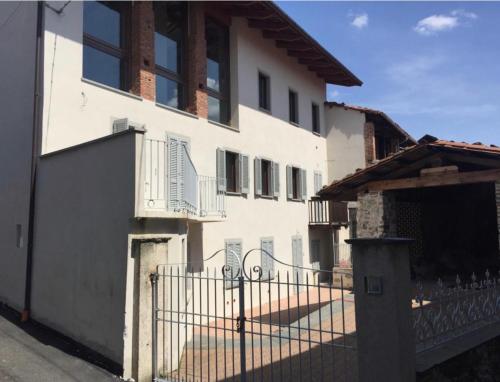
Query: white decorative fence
x=443, y=312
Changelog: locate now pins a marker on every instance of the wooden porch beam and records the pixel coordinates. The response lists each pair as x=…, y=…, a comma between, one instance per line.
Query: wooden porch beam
x=447, y=179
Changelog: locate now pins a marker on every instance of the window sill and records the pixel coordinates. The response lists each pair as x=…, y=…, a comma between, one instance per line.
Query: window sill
x=316, y=133
x=106, y=87
x=223, y=125
x=231, y=193
x=270, y=197
x=296, y=200
x=175, y=110
x=294, y=124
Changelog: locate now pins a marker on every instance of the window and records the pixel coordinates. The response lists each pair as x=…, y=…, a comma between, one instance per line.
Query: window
x=315, y=118
x=293, y=106
x=318, y=181
x=233, y=258
x=232, y=172
x=104, y=53
x=170, y=21
x=266, y=258
x=264, y=92
x=217, y=37
x=266, y=178
x=296, y=183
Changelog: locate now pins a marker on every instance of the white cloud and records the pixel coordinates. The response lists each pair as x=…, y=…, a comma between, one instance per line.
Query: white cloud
x=360, y=21
x=463, y=13
x=438, y=23
x=333, y=93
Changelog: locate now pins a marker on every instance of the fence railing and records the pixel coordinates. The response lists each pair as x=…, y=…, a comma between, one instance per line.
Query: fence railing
x=342, y=255
x=444, y=311
x=172, y=183
x=285, y=328
x=327, y=212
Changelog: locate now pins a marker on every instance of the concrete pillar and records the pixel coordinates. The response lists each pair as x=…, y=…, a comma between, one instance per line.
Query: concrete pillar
x=148, y=255
x=386, y=346
x=376, y=214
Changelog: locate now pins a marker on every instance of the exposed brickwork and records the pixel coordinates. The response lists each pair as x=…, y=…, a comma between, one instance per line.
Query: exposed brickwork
x=197, y=101
x=142, y=59
x=369, y=136
x=376, y=215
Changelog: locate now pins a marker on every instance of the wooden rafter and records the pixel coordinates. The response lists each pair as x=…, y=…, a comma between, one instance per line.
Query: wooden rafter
x=267, y=24
x=296, y=45
x=282, y=35
x=308, y=53
x=445, y=179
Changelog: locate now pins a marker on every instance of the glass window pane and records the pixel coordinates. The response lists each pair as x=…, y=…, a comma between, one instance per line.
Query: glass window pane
x=102, y=22
x=168, y=92
x=101, y=67
x=213, y=75
x=166, y=52
x=214, y=108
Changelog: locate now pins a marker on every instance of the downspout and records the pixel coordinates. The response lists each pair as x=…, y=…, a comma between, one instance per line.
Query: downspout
x=35, y=153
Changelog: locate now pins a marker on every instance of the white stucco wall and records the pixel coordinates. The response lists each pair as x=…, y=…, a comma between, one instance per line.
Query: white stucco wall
x=80, y=111
x=345, y=141
x=17, y=79
x=81, y=242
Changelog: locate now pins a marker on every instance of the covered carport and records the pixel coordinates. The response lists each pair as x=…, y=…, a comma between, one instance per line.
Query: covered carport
x=443, y=194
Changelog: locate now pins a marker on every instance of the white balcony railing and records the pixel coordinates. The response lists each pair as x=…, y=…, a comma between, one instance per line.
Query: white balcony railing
x=171, y=182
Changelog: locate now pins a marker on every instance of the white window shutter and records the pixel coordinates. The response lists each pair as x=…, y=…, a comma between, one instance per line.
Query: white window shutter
x=320, y=181
x=174, y=189
x=258, y=176
x=221, y=170
x=233, y=251
x=303, y=184
x=267, y=262
x=120, y=124
x=289, y=183
x=276, y=179
x=245, y=183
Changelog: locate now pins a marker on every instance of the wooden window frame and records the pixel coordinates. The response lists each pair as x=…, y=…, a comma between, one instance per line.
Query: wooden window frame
x=266, y=108
x=296, y=105
x=223, y=95
x=180, y=77
x=121, y=52
x=315, y=127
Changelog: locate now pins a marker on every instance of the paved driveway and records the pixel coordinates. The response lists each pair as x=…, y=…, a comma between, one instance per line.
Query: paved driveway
x=29, y=354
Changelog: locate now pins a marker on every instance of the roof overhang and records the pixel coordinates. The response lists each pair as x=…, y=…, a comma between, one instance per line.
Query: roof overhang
x=429, y=164
x=275, y=24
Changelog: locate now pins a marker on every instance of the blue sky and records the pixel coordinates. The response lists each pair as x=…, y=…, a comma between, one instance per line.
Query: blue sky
x=434, y=67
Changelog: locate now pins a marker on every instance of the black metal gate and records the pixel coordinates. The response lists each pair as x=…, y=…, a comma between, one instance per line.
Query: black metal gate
x=245, y=324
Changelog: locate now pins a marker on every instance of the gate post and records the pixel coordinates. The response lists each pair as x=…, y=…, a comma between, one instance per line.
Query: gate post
x=241, y=328
x=154, y=322
x=384, y=330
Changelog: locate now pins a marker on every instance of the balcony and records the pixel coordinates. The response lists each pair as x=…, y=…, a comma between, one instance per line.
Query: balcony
x=172, y=186
x=327, y=212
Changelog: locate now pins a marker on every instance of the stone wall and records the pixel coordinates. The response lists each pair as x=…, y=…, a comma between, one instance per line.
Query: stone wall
x=376, y=215
x=497, y=199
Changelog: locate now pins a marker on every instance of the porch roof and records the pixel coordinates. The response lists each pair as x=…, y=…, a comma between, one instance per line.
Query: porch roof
x=430, y=163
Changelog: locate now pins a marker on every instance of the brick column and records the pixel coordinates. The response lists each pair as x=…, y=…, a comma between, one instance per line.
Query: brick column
x=142, y=59
x=369, y=135
x=197, y=101
x=376, y=215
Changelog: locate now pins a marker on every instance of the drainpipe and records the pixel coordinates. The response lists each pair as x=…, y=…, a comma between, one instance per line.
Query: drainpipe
x=35, y=153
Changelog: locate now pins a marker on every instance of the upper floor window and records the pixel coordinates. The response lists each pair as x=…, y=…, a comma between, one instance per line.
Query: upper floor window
x=267, y=178
x=296, y=183
x=104, y=43
x=217, y=37
x=293, y=106
x=169, y=52
x=315, y=118
x=232, y=172
x=264, y=92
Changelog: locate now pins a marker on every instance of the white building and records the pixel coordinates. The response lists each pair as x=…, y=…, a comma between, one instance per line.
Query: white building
x=198, y=126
